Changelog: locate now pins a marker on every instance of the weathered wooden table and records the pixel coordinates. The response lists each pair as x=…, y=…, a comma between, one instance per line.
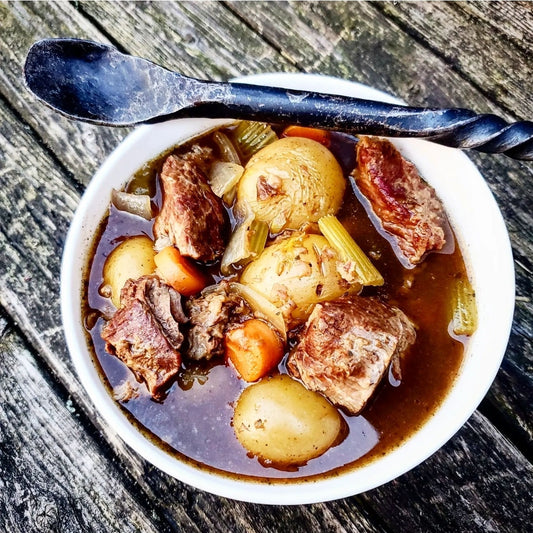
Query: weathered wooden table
x=61, y=467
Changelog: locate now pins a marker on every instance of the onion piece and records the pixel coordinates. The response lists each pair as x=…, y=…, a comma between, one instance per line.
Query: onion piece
x=246, y=243
x=227, y=149
x=261, y=307
x=223, y=178
x=136, y=204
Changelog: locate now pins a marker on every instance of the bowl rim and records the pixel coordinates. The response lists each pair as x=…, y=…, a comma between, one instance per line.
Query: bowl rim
x=434, y=433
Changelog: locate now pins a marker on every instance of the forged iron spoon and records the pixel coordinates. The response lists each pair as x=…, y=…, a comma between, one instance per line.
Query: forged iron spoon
x=96, y=83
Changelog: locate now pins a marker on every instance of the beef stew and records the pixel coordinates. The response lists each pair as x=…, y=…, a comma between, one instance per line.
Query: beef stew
x=193, y=417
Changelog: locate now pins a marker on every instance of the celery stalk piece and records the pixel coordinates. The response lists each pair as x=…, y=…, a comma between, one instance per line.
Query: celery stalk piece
x=464, y=318
x=249, y=137
x=246, y=243
x=339, y=238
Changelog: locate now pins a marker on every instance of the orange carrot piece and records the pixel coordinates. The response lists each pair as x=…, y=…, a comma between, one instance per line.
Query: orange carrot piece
x=321, y=136
x=178, y=272
x=254, y=348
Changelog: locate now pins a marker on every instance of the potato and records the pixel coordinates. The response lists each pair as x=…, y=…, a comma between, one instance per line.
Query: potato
x=290, y=182
x=279, y=420
x=131, y=259
x=296, y=273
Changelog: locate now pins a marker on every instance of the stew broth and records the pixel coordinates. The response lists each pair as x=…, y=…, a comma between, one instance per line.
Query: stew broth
x=194, y=422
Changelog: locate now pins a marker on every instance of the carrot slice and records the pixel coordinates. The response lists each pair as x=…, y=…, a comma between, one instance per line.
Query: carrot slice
x=254, y=348
x=321, y=136
x=178, y=272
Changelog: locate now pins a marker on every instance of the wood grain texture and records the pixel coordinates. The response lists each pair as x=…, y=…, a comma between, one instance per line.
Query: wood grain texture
x=513, y=19
x=356, y=41
x=490, y=475
x=53, y=476
x=477, y=482
x=200, y=40
x=478, y=46
x=79, y=147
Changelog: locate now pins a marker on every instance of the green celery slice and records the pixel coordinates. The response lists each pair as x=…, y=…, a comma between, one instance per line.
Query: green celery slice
x=339, y=238
x=464, y=309
x=249, y=137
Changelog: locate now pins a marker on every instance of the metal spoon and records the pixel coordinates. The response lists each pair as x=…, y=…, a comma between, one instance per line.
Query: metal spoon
x=96, y=83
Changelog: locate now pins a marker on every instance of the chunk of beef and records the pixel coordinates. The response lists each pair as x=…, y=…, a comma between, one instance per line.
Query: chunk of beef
x=405, y=204
x=145, y=332
x=126, y=391
x=210, y=314
x=346, y=347
x=164, y=303
x=200, y=155
x=192, y=217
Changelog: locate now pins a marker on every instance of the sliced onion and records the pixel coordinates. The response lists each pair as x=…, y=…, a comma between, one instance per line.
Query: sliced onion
x=223, y=178
x=227, y=149
x=136, y=204
x=246, y=243
x=261, y=307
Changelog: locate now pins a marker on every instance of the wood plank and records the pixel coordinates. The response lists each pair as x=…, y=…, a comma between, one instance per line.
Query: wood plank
x=355, y=41
x=81, y=148
x=514, y=19
x=196, y=39
x=477, y=483
x=53, y=474
x=477, y=45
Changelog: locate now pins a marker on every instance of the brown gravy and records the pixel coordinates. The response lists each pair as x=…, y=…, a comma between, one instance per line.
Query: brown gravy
x=194, y=421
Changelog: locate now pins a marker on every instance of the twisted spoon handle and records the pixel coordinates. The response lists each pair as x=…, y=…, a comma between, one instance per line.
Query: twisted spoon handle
x=458, y=128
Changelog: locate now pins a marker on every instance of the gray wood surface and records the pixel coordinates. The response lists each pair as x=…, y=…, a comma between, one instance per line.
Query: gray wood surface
x=61, y=467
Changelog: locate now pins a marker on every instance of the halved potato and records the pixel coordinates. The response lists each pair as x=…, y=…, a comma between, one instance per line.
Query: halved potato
x=295, y=273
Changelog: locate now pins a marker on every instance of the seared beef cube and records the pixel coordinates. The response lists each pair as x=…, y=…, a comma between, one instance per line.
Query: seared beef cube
x=405, y=204
x=135, y=337
x=346, y=347
x=200, y=155
x=192, y=217
x=164, y=303
x=144, y=333
x=210, y=314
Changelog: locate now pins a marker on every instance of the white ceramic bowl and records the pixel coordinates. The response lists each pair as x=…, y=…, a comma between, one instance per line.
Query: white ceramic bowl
x=483, y=238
